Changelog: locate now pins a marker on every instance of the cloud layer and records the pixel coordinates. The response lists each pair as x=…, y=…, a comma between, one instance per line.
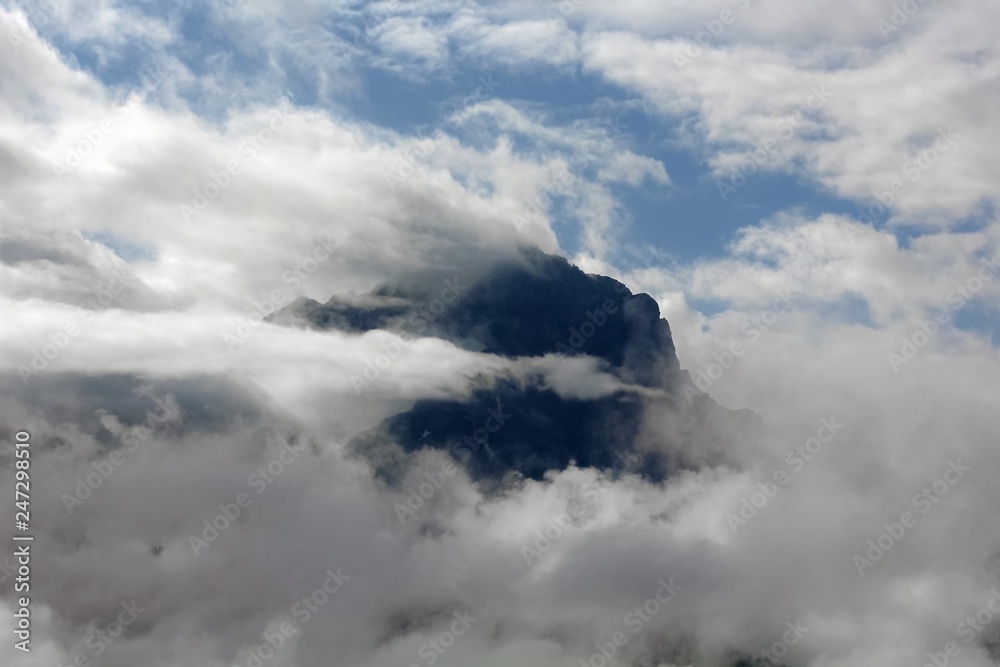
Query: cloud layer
x=166, y=191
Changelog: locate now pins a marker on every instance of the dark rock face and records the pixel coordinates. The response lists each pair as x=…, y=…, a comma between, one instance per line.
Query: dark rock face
x=538, y=305
x=530, y=307
x=551, y=306
x=529, y=431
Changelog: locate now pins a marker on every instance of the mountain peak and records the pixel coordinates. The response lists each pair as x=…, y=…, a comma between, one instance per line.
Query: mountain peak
x=529, y=306
x=532, y=305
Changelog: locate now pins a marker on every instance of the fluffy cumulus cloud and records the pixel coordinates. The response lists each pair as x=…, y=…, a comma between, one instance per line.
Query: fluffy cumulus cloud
x=175, y=175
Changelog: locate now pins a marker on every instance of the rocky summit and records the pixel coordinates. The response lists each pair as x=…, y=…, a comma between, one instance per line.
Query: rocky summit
x=528, y=307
